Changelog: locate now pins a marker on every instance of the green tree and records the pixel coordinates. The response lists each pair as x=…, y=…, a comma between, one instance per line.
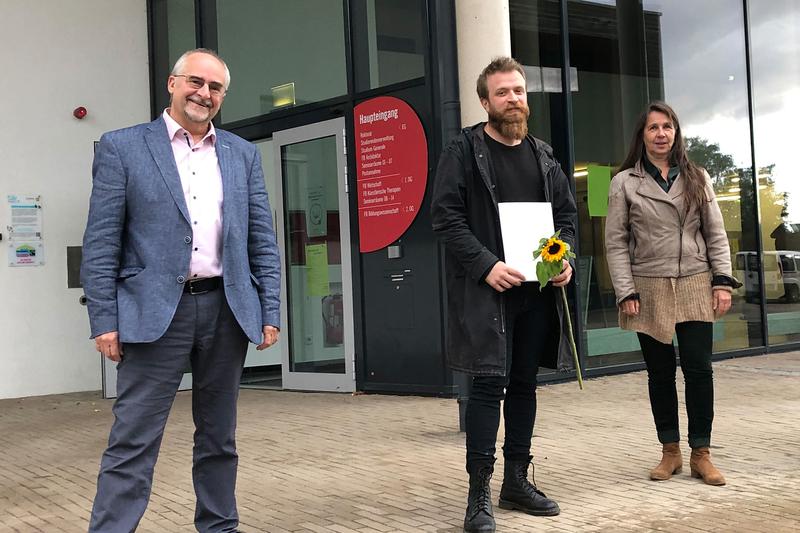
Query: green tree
x=709, y=156
x=736, y=194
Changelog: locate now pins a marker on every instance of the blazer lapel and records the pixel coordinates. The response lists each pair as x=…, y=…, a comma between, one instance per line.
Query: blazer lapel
x=224, y=158
x=158, y=142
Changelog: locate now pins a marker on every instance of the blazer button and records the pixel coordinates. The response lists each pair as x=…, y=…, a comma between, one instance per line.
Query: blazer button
x=187, y=239
x=181, y=279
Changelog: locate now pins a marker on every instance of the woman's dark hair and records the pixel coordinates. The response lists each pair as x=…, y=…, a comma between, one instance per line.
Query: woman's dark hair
x=693, y=174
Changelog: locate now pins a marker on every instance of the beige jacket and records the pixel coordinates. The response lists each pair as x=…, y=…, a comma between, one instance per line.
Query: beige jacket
x=649, y=233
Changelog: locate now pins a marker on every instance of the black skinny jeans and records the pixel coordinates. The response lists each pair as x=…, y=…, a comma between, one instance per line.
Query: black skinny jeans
x=530, y=317
x=695, y=342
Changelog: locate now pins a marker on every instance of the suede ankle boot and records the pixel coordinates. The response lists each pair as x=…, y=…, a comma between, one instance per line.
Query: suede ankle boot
x=671, y=463
x=701, y=467
x=520, y=494
x=479, y=517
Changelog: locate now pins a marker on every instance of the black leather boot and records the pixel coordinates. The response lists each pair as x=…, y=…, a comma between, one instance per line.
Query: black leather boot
x=517, y=493
x=479, y=517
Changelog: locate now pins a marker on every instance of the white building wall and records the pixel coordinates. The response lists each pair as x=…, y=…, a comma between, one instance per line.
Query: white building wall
x=55, y=57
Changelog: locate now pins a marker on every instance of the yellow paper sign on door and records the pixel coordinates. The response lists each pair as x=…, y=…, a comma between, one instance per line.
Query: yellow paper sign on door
x=317, y=269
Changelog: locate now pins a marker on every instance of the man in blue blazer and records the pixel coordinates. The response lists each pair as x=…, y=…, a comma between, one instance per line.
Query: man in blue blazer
x=180, y=268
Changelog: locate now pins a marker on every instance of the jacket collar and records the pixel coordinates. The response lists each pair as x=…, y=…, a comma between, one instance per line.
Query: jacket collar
x=650, y=189
x=542, y=151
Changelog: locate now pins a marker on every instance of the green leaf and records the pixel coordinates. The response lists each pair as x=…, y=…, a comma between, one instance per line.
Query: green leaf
x=541, y=274
x=547, y=270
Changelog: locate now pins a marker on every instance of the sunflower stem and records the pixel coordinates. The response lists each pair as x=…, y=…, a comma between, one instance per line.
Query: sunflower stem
x=572, y=339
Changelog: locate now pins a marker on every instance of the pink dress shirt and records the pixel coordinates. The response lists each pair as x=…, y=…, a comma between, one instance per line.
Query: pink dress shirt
x=201, y=179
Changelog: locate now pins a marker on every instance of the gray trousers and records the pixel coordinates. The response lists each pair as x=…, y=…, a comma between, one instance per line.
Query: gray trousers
x=205, y=335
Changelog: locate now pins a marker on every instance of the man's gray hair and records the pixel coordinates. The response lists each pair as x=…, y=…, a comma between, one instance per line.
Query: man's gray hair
x=181, y=62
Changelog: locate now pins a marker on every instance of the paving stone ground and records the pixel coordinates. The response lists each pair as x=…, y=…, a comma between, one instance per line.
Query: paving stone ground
x=342, y=463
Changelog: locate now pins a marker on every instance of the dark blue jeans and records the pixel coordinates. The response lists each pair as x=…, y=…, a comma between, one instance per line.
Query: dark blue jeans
x=530, y=317
x=695, y=343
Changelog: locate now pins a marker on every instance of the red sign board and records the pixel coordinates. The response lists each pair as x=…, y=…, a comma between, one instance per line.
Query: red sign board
x=392, y=169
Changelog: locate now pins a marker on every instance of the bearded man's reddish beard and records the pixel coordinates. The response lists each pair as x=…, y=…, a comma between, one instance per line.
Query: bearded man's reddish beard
x=513, y=123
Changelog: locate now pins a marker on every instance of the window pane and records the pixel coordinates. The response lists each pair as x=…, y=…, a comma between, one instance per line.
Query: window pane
x=180, y=28
x=389, y=41
x=627, y=54
x=173, y=33
x=536, y=43
x=279, y=56
x=775, y=31
x=313, y=244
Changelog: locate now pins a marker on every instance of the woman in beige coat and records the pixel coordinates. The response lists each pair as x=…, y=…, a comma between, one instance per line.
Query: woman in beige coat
x=670, y=264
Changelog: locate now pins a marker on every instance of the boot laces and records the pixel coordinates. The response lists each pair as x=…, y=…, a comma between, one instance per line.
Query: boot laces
x=483, y=496
x=528, y=486
x=484, y=500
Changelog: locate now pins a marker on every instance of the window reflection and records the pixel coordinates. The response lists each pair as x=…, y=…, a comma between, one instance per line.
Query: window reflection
x=627, y=54
x=536, y=43
x=775, y=47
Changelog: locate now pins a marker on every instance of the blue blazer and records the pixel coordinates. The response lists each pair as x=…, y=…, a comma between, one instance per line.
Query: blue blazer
x=138, y=240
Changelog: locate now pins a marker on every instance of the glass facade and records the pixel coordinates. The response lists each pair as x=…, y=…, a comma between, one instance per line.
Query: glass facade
x=694, y=56
x=627, y=54
x=728, y=67
x=536, y=42
x=774, y=50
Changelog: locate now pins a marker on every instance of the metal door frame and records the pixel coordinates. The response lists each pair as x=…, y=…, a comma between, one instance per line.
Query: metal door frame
x=309, y=380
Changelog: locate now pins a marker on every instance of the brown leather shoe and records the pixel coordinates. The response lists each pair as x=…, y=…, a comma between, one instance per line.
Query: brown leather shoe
x=701, y=467
x=671, y=463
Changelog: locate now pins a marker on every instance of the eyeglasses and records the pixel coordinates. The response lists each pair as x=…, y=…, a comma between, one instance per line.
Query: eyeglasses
x=196, y=82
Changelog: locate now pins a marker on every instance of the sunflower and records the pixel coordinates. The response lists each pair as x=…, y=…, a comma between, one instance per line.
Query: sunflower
x=554, y=250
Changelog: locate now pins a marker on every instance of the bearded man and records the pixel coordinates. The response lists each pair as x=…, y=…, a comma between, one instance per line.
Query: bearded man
x=500, y=329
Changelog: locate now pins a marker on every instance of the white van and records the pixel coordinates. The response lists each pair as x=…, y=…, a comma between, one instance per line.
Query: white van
x=781, y=275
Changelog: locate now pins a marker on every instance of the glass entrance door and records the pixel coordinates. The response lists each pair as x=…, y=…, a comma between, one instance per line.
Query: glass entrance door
x=314, y=235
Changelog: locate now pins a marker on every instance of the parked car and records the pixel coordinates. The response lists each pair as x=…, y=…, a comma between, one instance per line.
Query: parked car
x=781, y=275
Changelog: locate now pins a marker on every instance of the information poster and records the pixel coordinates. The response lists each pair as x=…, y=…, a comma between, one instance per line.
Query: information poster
x=392, y=169
x=317, y=280
x=25, y=246
x=316, y=213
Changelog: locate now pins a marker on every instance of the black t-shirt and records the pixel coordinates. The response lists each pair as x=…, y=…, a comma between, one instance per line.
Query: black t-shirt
x=516, y=171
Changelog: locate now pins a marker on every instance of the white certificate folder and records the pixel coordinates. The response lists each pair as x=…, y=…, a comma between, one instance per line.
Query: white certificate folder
x=522, y=225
